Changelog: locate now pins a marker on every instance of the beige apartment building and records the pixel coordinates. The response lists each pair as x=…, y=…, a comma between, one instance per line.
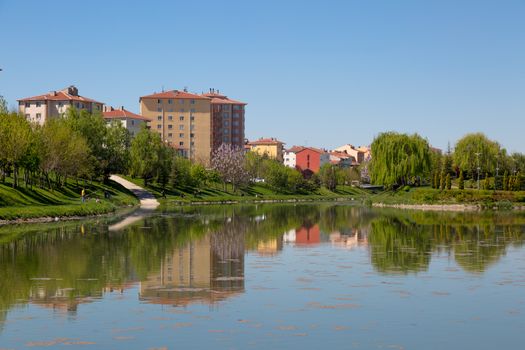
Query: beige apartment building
x=39, y=109
x=182, y=120
x=195, y=125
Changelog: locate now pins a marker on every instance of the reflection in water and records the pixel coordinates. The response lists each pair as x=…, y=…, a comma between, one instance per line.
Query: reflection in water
x=198, y=254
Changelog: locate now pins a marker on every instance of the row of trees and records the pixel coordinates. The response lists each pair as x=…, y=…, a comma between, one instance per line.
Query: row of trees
x=80, y=145
x=401, y=159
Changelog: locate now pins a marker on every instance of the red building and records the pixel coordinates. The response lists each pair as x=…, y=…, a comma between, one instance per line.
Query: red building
x=309, y=158
x=227, y=120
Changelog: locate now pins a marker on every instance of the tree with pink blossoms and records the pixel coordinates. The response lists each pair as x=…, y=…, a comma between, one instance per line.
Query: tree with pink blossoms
x=228, y=162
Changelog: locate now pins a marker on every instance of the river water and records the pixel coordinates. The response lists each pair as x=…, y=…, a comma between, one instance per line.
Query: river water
x=260, y=277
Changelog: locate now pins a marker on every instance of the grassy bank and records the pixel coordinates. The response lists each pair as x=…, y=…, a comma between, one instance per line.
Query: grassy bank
x=215, y=193
x=27, y=203
x=427, y=195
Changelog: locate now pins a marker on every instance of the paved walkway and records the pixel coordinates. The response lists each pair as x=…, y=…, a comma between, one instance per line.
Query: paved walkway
x=148, y=203
x=147, y=199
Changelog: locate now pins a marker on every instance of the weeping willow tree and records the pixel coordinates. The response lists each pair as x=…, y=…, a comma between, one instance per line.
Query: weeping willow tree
x=398, y=158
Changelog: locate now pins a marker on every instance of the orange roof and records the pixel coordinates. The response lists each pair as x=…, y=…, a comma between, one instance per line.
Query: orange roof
x=297, y=149
x=342, y=155
x=176, y=94
x=222, y=99
x=267, y=141
x=58, y=96
x=123, y=113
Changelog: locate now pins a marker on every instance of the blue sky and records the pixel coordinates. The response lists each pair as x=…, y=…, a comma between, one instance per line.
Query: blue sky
x=321, y=73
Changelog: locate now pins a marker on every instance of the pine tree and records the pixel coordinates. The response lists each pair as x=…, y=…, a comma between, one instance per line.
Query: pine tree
x=461, y=181
x=449, y=182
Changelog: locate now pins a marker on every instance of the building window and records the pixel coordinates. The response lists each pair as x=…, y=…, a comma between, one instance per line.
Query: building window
x=78, y=105
x=192, y=118
x=132, y=122
x=192, y=110
x=192, y=102
x=98, y=107
x=28, y=104
x=170, y=135
x=170, y=117
x=181, y=118
x=38, y=115
x=159, y=109
x=235, y=123
x=192, y=135
x=235, y=131
x=226, y=131
x=192, y=143
x=226, y=123
x=225, y=107
x=181, y=143
x=60, y=104
x=170, y=126
x=159, y=117
x=38, y=104
x=235, y=115
x=159, y=102
x=181, y=127
x=159, y=126
x=236, y=107
x=170, y=101
x=182, y=110
x=225, y=115
x=181, y=102
x=181, y=135
x=226, y=139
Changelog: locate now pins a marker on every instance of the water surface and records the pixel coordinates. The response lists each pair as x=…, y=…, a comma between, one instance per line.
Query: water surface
x=274, y=276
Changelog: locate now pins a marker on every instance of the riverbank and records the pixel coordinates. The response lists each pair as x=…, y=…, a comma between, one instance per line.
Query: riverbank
x=43, y=205
x=257, y=193
x=424, y=198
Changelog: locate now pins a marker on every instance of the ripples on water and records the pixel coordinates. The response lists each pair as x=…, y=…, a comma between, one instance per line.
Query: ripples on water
x=275, y=276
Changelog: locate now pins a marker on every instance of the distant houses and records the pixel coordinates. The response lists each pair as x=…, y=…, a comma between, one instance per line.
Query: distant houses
x=129, y=120
x=269, y=147
x=39, y=109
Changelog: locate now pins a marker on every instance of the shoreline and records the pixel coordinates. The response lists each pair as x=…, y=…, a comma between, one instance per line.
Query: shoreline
x=50, y=219
x=444, y=207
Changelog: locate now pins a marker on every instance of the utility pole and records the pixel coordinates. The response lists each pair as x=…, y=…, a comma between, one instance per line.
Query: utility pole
x=477, y=155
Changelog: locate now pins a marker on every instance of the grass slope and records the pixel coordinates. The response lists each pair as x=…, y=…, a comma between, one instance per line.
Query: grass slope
x=427, y=195
x=216, y=193
x=24, y=203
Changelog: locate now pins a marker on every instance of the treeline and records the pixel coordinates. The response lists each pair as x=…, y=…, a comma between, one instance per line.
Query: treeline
x=401, y=159
x=80, y=145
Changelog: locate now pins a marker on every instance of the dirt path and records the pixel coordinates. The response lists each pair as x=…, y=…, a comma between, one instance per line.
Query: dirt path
x=147, y=199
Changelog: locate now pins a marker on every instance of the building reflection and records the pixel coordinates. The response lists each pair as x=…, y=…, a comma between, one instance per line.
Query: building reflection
x=352, y=239
x=206, y=271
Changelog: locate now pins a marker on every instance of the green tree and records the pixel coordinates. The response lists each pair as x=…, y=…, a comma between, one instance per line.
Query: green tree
x=442, y=180
x=3, y=106
x=506, y=181
x=486, y=183
x=328, y=176
x=472, y=148
x=461, y=181
x=448, y=182
x=144, y=153
x=396, y=158
x=117, y=142
x=15, y=139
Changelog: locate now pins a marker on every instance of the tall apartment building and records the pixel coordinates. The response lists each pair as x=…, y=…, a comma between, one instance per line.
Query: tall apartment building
x=40, y=108
x=182, y=120
x=227, y=120
x=195, y=125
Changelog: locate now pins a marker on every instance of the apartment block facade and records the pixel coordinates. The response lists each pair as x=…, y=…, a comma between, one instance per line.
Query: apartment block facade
x=195, y=125
x=129, y=120
x=182, y=120
x=227, y=120
x=39, y=109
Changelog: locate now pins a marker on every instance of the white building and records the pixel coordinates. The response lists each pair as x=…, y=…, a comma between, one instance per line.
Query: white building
x=290, y=159
x=131, y=121
x=38, y=109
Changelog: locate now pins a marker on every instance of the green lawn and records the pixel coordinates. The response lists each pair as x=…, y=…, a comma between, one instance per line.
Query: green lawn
x=427, y=195
x=37, y=202
x=215, y=193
